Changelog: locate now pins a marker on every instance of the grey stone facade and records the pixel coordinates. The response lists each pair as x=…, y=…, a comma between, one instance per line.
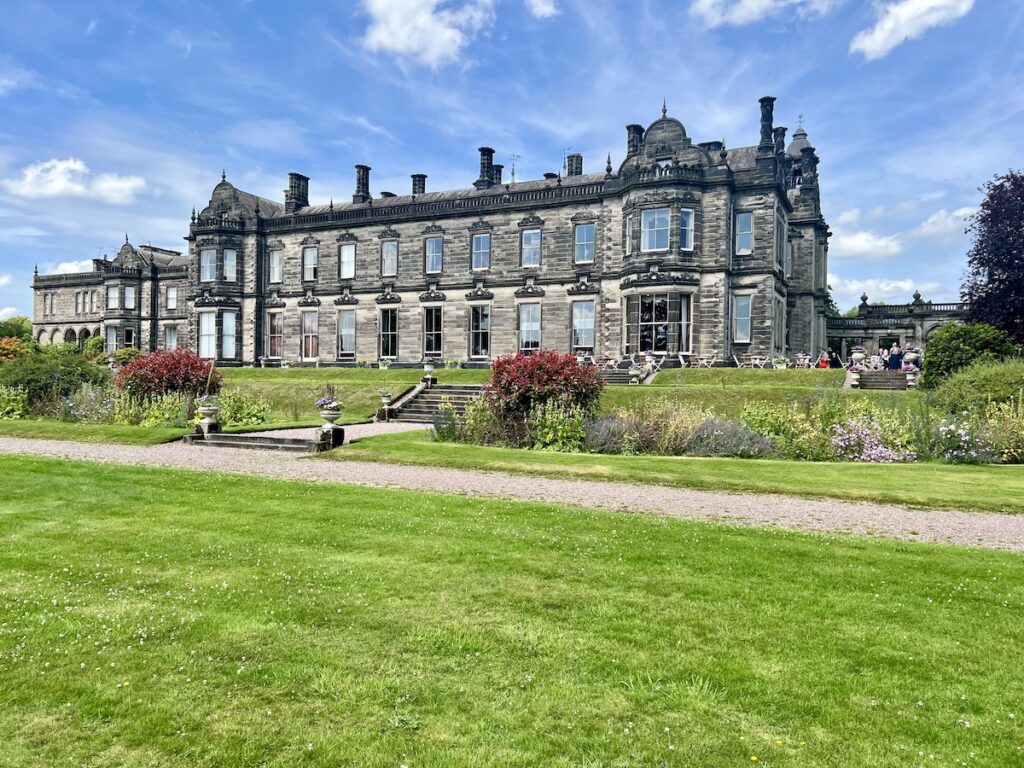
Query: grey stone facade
x=669, y=253
x=878, y=326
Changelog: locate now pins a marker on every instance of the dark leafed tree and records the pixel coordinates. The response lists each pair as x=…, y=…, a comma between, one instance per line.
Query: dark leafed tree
x=994, y=283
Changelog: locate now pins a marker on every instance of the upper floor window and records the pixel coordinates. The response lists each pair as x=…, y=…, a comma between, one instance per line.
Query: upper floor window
x=92, y=301
x=78, y=302
x=482, y=251
x=208, y=265
x=741, y=318
x=780, y=240
x=347, y=261
x=654, y=229
x=744, y=233
x=129, y=297
x=172, y=297
x=685, y=229
x=112, y=298
x=789, y=258
x=586, y=235
x=433, y=254
x=230, y=265
x=389, y=258
x=629, y=233
x=276, y=266
x=310, y=259
x=531, y=248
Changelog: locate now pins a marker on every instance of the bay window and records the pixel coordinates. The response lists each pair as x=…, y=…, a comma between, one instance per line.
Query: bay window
x=207, y=265
x=129, y=297
x=654, y=229
x=227, y=334
x=685, y=229
x=230, y=265
x=208, y=335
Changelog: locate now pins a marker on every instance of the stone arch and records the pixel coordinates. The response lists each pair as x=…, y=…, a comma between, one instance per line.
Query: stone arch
x=70, y=337
x=96, y=331
x=83, y=336
x=54, y=335
x=41, y=337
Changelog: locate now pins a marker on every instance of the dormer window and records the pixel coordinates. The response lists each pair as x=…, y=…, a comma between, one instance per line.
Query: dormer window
x=654, y=229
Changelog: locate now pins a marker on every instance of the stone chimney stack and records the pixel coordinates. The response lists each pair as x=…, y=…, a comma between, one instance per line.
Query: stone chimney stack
x=362, y=194
x=767, y=144
x=574, y=164
x=486, y=168
x=496, y=170
x=296, y=197
x=634, y=135
x=419, y=183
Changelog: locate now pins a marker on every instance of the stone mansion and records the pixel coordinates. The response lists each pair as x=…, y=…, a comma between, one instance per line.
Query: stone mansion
x=684, y=248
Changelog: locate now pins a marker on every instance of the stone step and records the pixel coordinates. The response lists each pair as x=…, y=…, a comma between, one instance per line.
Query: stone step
x=256, y=442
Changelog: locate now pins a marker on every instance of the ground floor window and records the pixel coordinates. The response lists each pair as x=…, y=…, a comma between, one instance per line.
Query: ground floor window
x=208, y=335
x=583, y=326
x=347, y=333
x=529, y=327
x=658, y=323
x=275, y=335
x=129, y=337
x=389, y=333
x=227, y=334
x=432, y=332
x=778, y=325
x=310, y=336
x=111, y=341
x=171, y=337
x=480, y=330
x=741, y=327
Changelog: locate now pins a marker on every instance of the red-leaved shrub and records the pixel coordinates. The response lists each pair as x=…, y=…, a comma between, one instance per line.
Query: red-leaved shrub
x=519, y=382
x=158, y=373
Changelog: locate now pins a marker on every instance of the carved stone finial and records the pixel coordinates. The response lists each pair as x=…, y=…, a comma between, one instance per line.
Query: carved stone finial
x=608, y=165
x=780, y=140
x=193, y=214
x=767, y=116
x=664, y=108
x=223, y=175
x=331, y=206
x=863, y=298
x=917, y=297
x=126, y=237
x=35, y=272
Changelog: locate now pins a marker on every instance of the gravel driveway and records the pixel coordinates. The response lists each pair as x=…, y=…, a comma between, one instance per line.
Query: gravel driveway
x=821, y=515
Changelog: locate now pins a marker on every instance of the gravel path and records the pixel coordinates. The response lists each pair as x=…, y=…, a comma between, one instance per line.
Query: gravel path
x=821, y=515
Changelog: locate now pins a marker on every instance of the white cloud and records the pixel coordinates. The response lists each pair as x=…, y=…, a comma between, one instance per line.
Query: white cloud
x=91, y=28
x=945, y=225
x=178, y=39
x=904, y=20
x=5, y=279
x=542, y=9
x=428, y=31
x=72, y=178
x=8, y=312
x=848, y=292
x=69, y=267
x=716, y=13
x=863, y=244
x=848, y=218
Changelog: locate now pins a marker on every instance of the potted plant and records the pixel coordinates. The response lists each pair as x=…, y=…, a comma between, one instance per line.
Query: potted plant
x=385, y=397
x=384, y=363
x=857, y=354
x=854, y=371
x=780, y=363
x=330, y=409
x=911, y=355
x=263, y=361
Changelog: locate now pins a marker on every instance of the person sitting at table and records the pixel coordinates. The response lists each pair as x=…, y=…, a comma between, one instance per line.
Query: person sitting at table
x=833, y=359
x=822, y=360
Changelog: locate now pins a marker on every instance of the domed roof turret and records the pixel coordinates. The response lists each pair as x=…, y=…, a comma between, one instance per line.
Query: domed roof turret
x=799, y=142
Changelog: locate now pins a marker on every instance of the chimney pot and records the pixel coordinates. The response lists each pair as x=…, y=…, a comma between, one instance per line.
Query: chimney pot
x=574, y=164
x=767, y=143
x=296, y=197
x=486, y=168
x=496, y=170
x=634, y=137
x=362, y=194
x=419, y=183
x=550, y=176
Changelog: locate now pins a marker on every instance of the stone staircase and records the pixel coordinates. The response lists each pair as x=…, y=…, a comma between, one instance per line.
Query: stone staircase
x=618, y=376
x=257, y=442
x=427, y=404
x=885, y=380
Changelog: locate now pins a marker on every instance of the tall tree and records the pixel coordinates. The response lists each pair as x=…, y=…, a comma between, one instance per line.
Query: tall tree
x=994, y=283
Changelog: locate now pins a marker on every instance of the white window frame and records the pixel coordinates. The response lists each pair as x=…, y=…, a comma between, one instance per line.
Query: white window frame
x=230, y=272
x=129, y=297
x=391, y=333
x=276, y=266
x=78, y=302
x=533, y=331
x=534, y=249
x=345, y=333
x=346, y=261
x=207, y=337
x=649, y=219
x=228, y=334
x=207, y=265
x=579, y=329
x=113, y=298
x=110, y=341
x=428, y=244
x=389, y=258
x=687, y=217
x=483, y=354
x=481, y=255
x=737, y=300
x=740, y=233
x=310, y=263
x=271, y=335
x=170, y=334
x=586, y=245
x=92, y=301
x=171, y=297
x=439, y=333
x=304, y=335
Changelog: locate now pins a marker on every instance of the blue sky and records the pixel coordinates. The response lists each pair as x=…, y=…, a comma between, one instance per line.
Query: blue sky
x=119, y=116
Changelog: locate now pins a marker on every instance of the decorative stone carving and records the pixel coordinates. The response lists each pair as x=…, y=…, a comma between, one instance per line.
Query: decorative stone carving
x=388, y=296
x=586, y=216
x=529, y=290
x=583, y=286
x=432, y=294
x=309, y=300
x=389, y=234
x=532, y=220
x=477, y=226
x=433, y=229
x=479, y=292
x=275, y=245
x=310, y=240
x=347, y=237
x=346, y=298
x=207, y=300
x=274, y=300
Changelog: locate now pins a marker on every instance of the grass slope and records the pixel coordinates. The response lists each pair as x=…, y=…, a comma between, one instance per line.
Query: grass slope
x=45, y=429
x=989, y=488
x=239, y=622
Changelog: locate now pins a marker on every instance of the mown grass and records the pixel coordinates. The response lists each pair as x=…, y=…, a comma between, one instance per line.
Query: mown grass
x=49, y=429
x=155, y=617
x=988, y=488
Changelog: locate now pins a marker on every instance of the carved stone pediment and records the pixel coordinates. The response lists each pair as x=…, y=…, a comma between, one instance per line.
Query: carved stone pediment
x=689, y=197
x=656, y=197
x=389, y=234
x=274, y=300
x=432, y=294
x=481, y=225
x=584, y=216
x=310, y=240
x=345, y=299
x=479, y=292
x=275, y=245
x=583, y=286
x=530, y=291
x=388, y=296
x=208, y=300
x=532, y=220
x=347, y=237
x=433, y=229
x=309, y=300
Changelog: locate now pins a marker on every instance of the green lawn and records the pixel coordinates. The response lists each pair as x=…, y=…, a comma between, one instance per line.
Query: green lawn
x=240, y=622
x=293, y=392
x=48, y=429
x=990, y=488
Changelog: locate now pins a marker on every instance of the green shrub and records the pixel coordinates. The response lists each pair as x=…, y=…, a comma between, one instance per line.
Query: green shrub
x=556, y=426
x=170, y=410
x=240, y=410
x=94, y=348
x=129, y=409
x=13, y=403
x=797, y=435
x=974, y=387
x=125, y=355
x=960, y=441
x=91, y=404
x=17, y=327
x=728, y=438
x=480, y=425
x=661, y=427
x=50, y=375
x=953, y=347
x=446, y=422
x=1004, y=430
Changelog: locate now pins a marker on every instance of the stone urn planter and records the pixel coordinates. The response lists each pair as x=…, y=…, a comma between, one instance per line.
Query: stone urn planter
x=912, y=356
x=857, y=355
x=210, y=418
x=385, y=400
x=330, y=415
